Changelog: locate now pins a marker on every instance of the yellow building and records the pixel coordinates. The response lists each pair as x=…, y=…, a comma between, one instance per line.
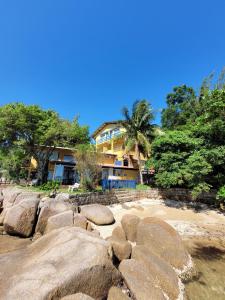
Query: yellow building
x=61, y=166
x=116, y=162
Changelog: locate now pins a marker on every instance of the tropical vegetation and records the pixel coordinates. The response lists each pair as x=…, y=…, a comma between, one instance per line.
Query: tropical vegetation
x=88, y=166
x=188, y=151
x=191, y=151
x=29, y=130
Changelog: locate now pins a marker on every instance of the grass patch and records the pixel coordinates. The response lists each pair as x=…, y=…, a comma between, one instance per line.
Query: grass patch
x=142, y=187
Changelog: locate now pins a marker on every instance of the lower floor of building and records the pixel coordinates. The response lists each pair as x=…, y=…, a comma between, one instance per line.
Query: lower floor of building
x=115, y=173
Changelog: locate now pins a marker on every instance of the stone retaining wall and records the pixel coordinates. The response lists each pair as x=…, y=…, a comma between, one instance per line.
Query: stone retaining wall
x=121, y=196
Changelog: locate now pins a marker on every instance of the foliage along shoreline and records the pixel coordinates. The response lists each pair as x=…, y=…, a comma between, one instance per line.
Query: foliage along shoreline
x=188, y=150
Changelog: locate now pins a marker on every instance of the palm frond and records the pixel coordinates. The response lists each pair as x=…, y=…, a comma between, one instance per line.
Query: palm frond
x=126, y=114
x=144, y=143
x=129, y=144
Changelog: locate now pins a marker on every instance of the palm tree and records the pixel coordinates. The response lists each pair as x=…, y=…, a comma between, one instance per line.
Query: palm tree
x=139, y=130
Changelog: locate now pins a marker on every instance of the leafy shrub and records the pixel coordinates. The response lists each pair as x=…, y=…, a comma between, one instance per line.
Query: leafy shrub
x=50, y=185
x=221, y=195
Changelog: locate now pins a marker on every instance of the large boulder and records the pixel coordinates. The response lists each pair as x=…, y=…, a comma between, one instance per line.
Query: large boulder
x=116, y=293
x=163, y=273
x=80, y=221
x=26, y=195
x=10, y=194
x=49, y=208
x=98, y=214
x=162, y=240
x=60, y=220
x=118, y=233
x=140, y=281
x=121, y=249
x=129, y=224
x=20, y=219
x=63, y=262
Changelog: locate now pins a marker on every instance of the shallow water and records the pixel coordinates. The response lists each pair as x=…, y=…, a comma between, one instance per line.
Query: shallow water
x=209, y=258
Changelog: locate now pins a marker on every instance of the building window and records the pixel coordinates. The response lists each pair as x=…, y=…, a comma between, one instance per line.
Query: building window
x=118, y=162
x=117, y=172
x=69, y=158
x=125, y=162
x=54, y=155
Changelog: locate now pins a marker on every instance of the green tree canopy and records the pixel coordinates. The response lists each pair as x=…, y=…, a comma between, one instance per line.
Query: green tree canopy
x=180, y=106
x=191, y=152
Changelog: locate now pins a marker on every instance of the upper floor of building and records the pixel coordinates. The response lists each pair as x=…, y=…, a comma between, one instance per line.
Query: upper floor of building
x=110, y=137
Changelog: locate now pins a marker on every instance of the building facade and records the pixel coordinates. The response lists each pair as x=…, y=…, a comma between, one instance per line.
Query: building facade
x=116, y=162
x=61, y=166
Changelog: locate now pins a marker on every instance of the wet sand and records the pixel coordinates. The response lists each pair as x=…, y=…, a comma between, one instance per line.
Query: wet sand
x=187, y=221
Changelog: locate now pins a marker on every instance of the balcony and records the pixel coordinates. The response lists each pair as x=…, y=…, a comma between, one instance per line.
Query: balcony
x=109, y=137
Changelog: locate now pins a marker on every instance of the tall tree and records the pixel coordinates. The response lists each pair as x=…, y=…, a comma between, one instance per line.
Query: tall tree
x=88, y=166
x=180, y=106
x=139, y=130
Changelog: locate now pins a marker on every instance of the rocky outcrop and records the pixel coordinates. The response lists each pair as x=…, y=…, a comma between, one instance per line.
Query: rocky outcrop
x=11, y=196
x=63, y=262
x=78, y=296
x=157, y=261
x=129, y=224
x=116, y=293
x=98, y=214
x=163, y=274
x=20, y=218
x=69, y=262
x=140, y=281
x=162, y=240
x=49, y=208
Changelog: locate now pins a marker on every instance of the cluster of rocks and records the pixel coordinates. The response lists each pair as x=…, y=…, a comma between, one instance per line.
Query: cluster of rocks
x=26, y=213
x=143, y=259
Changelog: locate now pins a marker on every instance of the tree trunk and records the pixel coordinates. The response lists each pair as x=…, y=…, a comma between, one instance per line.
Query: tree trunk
x=41, y=174
x=42, y=158
x=139, y=163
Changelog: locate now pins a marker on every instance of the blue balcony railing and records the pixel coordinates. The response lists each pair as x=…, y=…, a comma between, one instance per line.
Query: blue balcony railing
x=109, y=137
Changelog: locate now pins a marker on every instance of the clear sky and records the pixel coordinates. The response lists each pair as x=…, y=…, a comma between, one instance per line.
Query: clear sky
x=92, y=57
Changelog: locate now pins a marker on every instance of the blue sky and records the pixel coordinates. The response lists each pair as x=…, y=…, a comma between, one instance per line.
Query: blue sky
x=92, y=57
